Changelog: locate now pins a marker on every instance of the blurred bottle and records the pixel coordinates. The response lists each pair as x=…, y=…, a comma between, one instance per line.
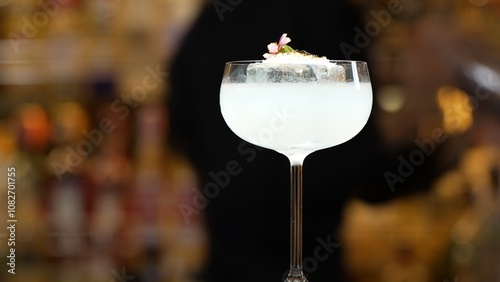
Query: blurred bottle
x=111, y=170
x=68, y=191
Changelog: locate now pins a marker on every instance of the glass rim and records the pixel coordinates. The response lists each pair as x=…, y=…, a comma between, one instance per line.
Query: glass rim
x=242, y=62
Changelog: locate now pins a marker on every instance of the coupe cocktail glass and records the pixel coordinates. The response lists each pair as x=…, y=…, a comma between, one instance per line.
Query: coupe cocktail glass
x=296, y=109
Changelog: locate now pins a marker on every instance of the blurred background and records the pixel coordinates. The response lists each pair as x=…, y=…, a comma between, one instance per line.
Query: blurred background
x=83, y=85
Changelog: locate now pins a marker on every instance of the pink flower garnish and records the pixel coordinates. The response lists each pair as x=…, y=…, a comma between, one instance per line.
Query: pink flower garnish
x=275, y=48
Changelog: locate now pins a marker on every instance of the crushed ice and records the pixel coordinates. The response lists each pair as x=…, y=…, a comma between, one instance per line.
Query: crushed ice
x=294, y=67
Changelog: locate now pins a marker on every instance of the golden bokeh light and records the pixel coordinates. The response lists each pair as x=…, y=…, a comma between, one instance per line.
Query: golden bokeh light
x=456, y=109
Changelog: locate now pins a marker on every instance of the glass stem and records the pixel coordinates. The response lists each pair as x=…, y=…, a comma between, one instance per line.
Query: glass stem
x=296, y=274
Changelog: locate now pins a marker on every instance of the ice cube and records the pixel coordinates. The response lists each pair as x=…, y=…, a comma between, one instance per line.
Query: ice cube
x=336, y=73
x=328, y=72
x=278, y=73
x=289, y=72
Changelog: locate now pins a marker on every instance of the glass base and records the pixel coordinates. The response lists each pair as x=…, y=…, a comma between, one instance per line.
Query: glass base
x=296, y=277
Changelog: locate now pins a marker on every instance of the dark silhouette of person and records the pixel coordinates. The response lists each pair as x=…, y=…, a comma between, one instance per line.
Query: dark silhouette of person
x=247, y=209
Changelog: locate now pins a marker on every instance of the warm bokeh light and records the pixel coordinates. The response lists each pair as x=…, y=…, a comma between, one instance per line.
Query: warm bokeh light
x=390, y=98
x=456, y=108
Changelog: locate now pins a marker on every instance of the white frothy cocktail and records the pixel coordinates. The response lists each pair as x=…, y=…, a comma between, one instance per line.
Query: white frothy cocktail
x=296, y=118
